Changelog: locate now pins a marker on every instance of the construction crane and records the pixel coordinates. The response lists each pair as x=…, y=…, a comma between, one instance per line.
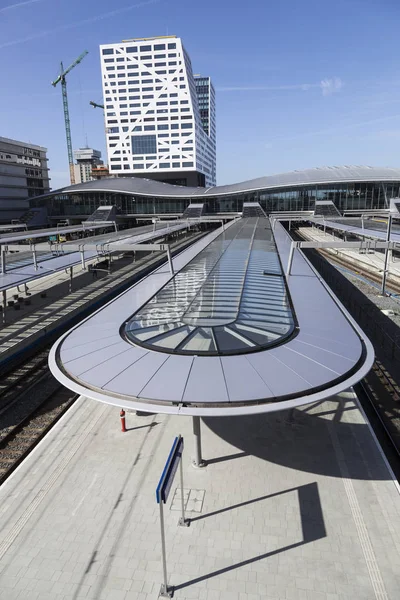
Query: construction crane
x=95, y=105
x=61, y=78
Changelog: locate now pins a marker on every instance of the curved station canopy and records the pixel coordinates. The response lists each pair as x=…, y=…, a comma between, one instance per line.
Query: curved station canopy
x=304, y=178
x=228, y=333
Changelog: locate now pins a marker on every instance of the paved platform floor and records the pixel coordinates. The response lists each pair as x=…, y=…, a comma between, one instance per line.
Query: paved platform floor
x=292, y=505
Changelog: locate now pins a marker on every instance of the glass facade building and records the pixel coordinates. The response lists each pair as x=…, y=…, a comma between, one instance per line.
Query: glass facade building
x=371, y=188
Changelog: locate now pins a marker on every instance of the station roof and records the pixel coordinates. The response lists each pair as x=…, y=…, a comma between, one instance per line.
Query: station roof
x=307, y=177
x=20, y=266
x=319, y=350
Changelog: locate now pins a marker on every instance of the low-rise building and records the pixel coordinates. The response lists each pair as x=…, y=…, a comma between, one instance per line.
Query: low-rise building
x=23, y=174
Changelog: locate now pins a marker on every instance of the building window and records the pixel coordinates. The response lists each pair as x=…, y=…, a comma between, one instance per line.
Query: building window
x=144, y=144
x=131, y=49
x=138, y=166
x=187, y=164
x=162, y=127
x=187, y=125
x=145, y=48
x=115, y=167
x=171, y=46
x=108, y=51
x=159, y=47
x=176, y=165
x=165, y=165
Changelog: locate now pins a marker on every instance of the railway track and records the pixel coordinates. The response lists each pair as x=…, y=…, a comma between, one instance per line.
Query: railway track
x=32, y=401
x=22, y=429
x=391, y=286
x=20, y=380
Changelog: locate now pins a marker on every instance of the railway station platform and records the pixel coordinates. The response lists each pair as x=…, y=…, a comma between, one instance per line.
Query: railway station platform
x=369, y=262
x=317, y=516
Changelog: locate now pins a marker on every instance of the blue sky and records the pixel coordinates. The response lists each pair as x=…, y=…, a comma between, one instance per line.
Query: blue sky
x=299, y=83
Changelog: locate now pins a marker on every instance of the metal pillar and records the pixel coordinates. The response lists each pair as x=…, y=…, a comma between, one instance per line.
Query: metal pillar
x=164, y=592
x=183, y=522
x=385, y=266
x=4, y=305
x=70, y=279
x=171, y=266
x=290, y=259
x=34, y=258
x=198, y=460
x=83, y=259
x=3, y=260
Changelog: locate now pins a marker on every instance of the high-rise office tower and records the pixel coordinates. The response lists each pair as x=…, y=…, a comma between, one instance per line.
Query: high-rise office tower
x=153, y=121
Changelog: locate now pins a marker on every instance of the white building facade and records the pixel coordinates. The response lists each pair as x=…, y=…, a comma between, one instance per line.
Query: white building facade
x=153, y=124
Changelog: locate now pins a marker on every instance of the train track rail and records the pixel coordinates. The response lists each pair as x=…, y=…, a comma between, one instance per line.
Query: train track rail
x=19, y=381
x=18, y=438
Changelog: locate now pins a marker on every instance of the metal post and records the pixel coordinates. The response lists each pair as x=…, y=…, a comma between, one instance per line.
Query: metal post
x=3, y=259
x=362, y=221
x=70, y=279
x=182, y=521
x=34, y=258
x=290, y=223
x=4, y=305
x=198, y=460
x=290, y=259
x=83, y=258
x=164, y=587
x=385, y=266
x=171, y=266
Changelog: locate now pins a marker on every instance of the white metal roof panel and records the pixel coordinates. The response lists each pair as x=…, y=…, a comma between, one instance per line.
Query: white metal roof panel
x=102, y=374
x=243, y=380
x=206, y=382
x=324, y=355
x=172, y=377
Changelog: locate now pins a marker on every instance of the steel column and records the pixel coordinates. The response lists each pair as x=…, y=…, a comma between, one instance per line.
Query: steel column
x=4, y=305
x=34, y=258
x=198, y=459
x=171, y=266
x=385, y=267
x=3, y=260
x=290, y=259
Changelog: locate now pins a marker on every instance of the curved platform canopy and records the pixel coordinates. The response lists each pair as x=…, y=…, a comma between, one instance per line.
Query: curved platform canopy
x=229, y=333
x=307, y=177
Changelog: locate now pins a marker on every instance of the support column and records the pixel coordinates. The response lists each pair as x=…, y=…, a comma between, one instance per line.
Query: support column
x=385, y=267
x=83, y=258
x=198, y=461
x=290, y=259
x=4, y=305
x=34, y=258
x=171, y=266
x=3, y=260
x=71, y=273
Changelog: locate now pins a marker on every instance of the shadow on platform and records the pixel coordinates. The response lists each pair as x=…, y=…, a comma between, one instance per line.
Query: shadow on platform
x=301, y=439
x=312, y=525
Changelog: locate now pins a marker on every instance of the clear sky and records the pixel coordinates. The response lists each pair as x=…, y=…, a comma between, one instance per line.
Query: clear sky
x=300, y=83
